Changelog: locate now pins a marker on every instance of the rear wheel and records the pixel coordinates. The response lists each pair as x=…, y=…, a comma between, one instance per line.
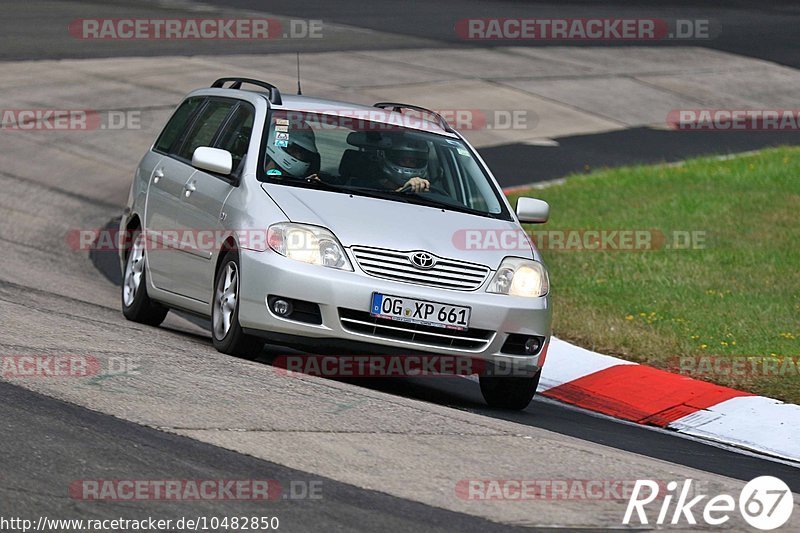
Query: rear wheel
x=225, y=329
x=136, y=304
x=509, y=392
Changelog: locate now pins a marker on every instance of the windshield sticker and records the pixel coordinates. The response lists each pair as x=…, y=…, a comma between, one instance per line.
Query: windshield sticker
x=281, y=143
x=282, y=121
x=281, y=128
x=281, y=136
x=273, y=172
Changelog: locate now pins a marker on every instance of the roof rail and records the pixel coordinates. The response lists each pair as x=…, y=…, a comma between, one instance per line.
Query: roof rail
x=398, y=107
x=274, y=93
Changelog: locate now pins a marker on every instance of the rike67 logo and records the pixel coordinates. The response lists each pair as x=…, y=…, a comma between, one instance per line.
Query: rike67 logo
x=765, y=503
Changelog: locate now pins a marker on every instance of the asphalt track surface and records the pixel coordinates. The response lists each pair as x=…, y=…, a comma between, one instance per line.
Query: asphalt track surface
x=546, y=414
x=47, y=443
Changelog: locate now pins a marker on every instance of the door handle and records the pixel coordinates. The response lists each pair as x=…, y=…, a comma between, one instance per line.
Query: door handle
x=157, y=175
x=189, y=188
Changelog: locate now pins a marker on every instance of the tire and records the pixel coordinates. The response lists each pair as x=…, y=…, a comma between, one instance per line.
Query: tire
x=509, y=392
x=136, y=304
x=226, y=332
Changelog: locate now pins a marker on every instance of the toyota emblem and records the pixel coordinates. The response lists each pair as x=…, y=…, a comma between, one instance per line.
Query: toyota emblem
x=422, y=260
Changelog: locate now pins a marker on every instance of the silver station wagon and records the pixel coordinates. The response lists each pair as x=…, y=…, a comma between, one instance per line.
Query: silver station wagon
x=334, y=226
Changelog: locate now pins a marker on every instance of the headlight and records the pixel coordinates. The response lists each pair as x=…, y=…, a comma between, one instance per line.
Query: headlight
x=520, y=277
x=309, y=244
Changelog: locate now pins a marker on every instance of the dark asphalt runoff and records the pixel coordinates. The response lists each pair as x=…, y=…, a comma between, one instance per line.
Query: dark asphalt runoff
x=521, y=164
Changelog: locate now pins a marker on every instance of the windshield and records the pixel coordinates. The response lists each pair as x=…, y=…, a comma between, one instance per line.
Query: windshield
x=354, y=156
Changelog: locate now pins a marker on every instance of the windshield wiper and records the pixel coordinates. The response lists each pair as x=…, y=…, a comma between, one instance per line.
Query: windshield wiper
x=431, y=202
x=358, y=191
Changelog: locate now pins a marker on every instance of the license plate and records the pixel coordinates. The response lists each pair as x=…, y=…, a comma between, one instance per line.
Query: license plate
x=419, y=311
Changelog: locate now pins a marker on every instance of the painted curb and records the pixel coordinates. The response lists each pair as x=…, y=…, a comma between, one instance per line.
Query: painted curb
x=646, y=395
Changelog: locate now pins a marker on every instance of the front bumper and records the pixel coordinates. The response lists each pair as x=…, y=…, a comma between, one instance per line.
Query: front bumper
x=343, y=295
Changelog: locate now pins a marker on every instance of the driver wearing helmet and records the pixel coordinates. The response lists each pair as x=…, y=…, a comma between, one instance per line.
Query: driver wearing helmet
x=299, y=158
x=404, y=165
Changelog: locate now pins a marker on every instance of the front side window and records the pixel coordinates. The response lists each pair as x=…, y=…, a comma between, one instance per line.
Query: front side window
x=205, y=127
x=235, y=137
x=374, y=158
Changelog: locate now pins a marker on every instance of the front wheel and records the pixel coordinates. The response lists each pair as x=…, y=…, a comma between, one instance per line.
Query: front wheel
x=136, y=304
x=226, y=332
x=509, y=392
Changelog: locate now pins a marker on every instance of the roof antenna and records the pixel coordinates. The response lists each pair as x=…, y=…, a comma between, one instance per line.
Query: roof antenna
x=299, y=92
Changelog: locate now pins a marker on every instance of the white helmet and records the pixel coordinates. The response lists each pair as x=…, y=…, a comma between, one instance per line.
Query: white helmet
x=404, y=159
x=299, y=152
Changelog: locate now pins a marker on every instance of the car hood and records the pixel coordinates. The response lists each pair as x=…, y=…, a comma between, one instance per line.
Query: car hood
x=364, y=221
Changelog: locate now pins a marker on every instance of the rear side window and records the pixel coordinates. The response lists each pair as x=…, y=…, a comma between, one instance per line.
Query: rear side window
x=205, y=127
x=177, y=124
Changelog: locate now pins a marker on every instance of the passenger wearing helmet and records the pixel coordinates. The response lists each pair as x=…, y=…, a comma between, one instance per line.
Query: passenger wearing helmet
x=404, y=164
x=299, y=158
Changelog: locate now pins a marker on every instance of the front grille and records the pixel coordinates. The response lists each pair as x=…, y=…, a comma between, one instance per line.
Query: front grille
x=445, y=274
x=366, y=324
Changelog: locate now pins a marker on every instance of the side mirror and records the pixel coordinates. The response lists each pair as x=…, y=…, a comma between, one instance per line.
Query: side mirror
x=213, y=160
x=532, y=210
